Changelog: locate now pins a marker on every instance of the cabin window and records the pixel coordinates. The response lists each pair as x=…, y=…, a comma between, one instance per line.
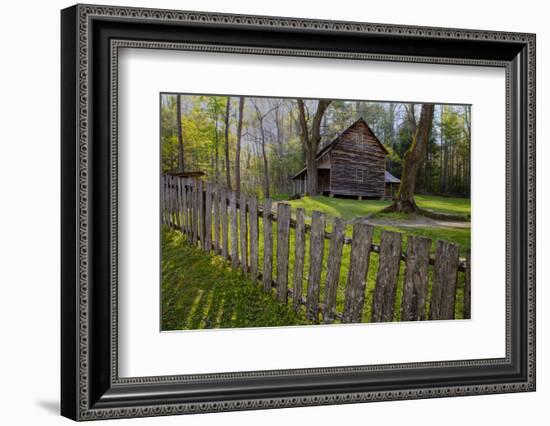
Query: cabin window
x=359, y=174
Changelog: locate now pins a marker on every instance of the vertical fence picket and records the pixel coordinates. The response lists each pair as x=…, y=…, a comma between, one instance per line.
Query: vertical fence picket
x=162, y=199
x=415, y=284
x=216, y=224
x=253, y=220
x=202, y=215
x=189, y=199
x=195, y=213
x=208, y=217
x=333, y=268
x=225, y=230
x=268, y=246
x=243, y=225
x=442, y=305
x=386, y=278
x=467, y=291
x=169, y=200
x=177, y=200
x=172, y=203
x=299, y=255
x=177, y=188
x=185, y=210
x=316, y=253
x=233, y=221
x=283, y=234
x=358, y=268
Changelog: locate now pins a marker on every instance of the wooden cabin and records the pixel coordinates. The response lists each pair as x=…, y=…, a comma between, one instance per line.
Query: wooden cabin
x=352, y=165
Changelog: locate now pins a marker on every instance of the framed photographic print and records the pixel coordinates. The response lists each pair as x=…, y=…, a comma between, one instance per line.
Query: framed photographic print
x=263, y=212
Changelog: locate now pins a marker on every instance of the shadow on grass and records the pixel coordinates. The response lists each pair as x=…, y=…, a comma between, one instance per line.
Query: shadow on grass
x=200, y=291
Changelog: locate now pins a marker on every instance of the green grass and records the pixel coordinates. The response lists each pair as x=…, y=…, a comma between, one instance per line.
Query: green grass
x=450, y=205
x=345, y=208
x=201, y=291
x=349, y=209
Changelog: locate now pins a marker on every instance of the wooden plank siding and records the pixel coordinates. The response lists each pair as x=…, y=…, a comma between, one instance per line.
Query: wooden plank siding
x=358, y=163
x=351, y=165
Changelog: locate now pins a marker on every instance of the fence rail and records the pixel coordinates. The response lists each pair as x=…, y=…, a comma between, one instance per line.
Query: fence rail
x=221, y=221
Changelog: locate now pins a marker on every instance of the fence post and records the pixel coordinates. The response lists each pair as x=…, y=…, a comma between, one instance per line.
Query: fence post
x=316, y=253
x=177, y=201
x=225, y=230
x=253, y=218
x=202, y=228
x=299, y=255
x=442, y=304
x=268, y=246
x=467, y=290
x=333, y=268
x=415, y=284
x=358, y=269
x=386, y=278
x=244, y=233
x=172, y=203
x=169, y=200
x=283, y=230
x=189, y=196
x=208, y=217
x=162, y=200
x=234, y=232
x=184, y=206
x=195, y=204
x=216, y=201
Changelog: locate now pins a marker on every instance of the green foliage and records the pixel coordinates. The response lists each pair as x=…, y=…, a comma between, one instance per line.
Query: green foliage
x=444, y=170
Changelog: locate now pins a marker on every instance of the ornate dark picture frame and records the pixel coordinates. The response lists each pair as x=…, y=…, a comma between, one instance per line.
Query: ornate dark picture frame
x=91, y=37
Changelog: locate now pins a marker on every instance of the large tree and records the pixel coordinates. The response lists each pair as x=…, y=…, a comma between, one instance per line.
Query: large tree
x=404, y=198
x=238, y=149
x=310, y=136
x=227, y=166
x=260, y=117
x=180, y=134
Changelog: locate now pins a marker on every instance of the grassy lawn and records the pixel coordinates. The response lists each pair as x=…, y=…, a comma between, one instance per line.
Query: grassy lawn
x=345, y=208
x=201, y=291
x=449, y=205
x=349, y=209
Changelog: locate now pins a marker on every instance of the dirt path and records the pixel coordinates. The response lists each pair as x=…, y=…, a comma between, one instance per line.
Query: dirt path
x=415, y=221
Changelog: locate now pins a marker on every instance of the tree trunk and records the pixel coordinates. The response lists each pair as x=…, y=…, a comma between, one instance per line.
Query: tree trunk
x=311, y=137
x=180, y=134
x=264, y=156
x=404, y=198
x=227, y=168
x=238, y=149
x=217, y=155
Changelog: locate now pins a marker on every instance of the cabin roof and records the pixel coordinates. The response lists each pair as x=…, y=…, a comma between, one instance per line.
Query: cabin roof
x=389, y=178
x=331, y=145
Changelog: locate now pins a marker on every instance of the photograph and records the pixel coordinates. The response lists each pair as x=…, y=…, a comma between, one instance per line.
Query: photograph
x=281, y=212
x=290, y=207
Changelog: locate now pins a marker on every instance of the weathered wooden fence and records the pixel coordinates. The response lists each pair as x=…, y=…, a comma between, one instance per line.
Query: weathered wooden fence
x=217, y=220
